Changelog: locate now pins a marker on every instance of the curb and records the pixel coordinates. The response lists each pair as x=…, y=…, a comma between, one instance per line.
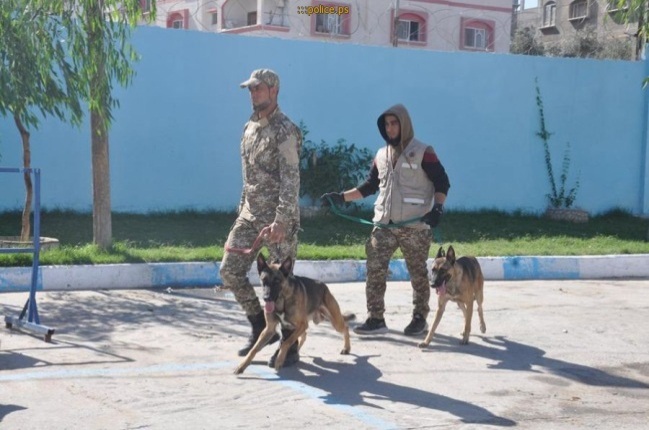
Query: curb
x=181, y=275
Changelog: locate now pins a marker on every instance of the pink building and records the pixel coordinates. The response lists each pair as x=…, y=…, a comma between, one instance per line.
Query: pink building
x=442, y=25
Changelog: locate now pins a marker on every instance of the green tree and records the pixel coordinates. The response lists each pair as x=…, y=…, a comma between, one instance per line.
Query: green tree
x=525, y=42
x=59, y=53
x=632, y=11
x=99, y=46
x=617, y=48
x=98, y=33
x=583, y=43
x=37, y=79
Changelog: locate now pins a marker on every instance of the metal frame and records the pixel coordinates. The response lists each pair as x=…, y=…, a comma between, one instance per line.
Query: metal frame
x=29, y=318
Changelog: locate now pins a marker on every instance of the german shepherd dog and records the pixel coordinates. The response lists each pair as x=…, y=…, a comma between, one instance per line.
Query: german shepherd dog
x=461, y=281
x=293, y=301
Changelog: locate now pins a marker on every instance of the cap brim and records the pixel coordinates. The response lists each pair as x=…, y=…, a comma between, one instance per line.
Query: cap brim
x=249, y=82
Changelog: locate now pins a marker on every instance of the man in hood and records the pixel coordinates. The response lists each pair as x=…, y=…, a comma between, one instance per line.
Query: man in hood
x=412, y=186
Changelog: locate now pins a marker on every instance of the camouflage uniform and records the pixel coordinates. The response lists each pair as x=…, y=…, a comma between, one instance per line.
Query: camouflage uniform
x=406, y=192
x=383, y=242
x=270, y=153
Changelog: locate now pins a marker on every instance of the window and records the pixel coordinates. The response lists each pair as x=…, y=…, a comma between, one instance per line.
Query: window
x=215, y=18
x=410, y=27
x=475, y=38
x=252, y=18
x=178, y=19
x=579, y=9
x=549, y=14
x=336, y=23
x=530, y=4
x=408, y=30
x=329, y=23
x=477, y=35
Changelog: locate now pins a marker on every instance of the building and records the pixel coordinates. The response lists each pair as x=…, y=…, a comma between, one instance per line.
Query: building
x=558, y=20
x=444, y=25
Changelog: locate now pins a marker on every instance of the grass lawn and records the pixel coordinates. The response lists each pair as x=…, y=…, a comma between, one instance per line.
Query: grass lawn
x=199, y=236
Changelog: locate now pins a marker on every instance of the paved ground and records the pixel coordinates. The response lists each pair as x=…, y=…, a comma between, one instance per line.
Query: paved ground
x=556, y=355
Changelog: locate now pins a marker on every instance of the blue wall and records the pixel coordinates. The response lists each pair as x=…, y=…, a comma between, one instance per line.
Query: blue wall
x=175, y=140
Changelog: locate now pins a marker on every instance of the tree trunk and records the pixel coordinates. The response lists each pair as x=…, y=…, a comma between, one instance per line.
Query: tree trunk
x=25, y=230
x=102, y=227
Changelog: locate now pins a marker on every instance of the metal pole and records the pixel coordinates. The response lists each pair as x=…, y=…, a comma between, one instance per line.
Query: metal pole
x=33, y=309
x=29, y=318
x=514, y=24
x=395, y=37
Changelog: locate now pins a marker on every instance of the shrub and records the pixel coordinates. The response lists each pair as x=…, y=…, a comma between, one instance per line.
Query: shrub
x=330, y=168
x=525, y=42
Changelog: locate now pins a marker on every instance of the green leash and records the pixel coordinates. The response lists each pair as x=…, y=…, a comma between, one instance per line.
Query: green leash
x=337, y=211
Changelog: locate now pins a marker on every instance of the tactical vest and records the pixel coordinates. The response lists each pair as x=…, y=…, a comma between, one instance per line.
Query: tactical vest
x=405, y=192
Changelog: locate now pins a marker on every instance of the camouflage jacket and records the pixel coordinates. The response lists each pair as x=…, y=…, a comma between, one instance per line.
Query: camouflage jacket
x=270, y=154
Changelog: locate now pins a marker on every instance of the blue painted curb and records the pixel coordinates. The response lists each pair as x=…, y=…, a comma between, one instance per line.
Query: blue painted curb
x=179, y=275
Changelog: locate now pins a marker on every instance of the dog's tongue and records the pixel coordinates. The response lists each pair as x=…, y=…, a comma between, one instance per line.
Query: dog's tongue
x=442, y=290
x=269, y=307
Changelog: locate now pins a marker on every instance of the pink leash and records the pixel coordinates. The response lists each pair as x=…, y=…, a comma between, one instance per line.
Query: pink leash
x=247, y=251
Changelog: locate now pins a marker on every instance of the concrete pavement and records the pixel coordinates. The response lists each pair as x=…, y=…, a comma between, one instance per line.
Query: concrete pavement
x=557, y=354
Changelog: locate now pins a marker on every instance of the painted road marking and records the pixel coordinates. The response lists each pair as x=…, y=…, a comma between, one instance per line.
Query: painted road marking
x=359, y=414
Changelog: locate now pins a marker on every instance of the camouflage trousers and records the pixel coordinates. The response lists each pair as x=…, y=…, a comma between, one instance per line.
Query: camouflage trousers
x=235, y=267
x=383, y=242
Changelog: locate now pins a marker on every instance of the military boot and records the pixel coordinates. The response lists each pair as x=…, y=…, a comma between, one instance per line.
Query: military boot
x=258, y=323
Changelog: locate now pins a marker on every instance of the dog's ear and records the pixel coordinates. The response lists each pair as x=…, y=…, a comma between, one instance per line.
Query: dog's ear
x=287, y=267
x=440, y=253
x=450, y=255
x=261, y=262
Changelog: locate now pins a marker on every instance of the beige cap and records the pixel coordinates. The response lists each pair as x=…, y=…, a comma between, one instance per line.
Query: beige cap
x=266, y=76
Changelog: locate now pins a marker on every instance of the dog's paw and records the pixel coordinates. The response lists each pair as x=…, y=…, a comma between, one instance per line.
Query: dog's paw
x=422, y=345
x=344, y=351
x=239, y=370
x=279, y=362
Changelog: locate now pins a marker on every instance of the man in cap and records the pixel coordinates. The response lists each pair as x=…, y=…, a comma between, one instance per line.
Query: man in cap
x=270, y=151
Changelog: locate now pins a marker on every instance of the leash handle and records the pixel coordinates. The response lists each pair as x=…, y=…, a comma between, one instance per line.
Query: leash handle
x=436, y=236
x=336, y=211
x=435, y=232
x=256, y=244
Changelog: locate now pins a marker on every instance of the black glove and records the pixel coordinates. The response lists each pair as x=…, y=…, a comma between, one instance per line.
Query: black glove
x=336, y=198
x=432, y=218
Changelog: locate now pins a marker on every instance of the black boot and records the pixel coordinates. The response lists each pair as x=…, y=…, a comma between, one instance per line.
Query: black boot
x=258, y=323
x=292, y=357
